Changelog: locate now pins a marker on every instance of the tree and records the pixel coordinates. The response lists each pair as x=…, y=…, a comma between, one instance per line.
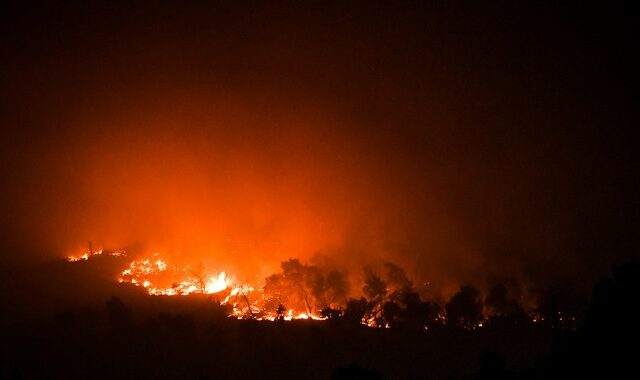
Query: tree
x=615, y=307
x=295, y=274
x=337, y=288
x=356, y=310
x=397, y=278
x=280, y=313
x=392, y=314
x=465, y=308
x=376, y=290
x=409, y=311
x=306, y=287
x=417, y=313
x=329, y=313
x=503, y=308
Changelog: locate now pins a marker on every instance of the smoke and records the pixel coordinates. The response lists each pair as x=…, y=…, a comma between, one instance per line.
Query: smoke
x=346, y=138
x=240, y=187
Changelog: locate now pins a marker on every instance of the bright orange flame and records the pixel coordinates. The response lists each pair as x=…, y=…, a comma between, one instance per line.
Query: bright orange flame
x=158, y=278
x=89, y=254
x=161, y=279
x=216, y=284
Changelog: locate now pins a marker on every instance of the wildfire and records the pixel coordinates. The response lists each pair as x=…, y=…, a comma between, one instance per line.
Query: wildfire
x=161, y=278
x=309, y=291
x=158, y=278
x=86, y=255
x=216, y=284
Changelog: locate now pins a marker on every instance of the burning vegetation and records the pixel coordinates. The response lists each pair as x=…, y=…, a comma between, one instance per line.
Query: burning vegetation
x=387, y=298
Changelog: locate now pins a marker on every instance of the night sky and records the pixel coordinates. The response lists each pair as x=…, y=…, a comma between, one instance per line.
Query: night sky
x=466, y=142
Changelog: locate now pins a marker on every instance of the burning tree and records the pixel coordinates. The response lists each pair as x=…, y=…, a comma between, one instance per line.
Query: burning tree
x=375, y=289
x=356, y=311
x=305, y=288
x=308, y=291
x=289, y=287
x=465, y=308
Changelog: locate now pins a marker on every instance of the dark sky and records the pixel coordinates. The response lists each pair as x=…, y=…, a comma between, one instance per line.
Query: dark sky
x=464, y=141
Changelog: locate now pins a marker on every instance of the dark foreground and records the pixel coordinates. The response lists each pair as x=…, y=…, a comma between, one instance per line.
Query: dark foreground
x=177, y=347
x=133, y=336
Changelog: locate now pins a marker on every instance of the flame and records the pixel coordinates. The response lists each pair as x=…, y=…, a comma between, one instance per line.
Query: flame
x=217, y=284
x=88, y=254
x=159, y=278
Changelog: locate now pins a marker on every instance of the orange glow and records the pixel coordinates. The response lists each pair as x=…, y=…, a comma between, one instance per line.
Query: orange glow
x=86, y=255
x=234, y=197
x=159, y=278
x=216, y=284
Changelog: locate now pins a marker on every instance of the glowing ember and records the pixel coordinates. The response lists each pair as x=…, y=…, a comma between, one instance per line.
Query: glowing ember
x=298, y=291
x=86, y=255
x=158, y=278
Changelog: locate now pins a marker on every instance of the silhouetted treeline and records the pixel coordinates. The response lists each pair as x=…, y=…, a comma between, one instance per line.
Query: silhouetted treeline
x=605, y=346
x=119, y=341
x=389, y=299
x=305, y=287
x=408, y=337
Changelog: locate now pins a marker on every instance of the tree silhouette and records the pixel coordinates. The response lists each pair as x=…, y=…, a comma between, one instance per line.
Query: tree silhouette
x=418, y=314
x=396, y=277
x=280, y=312
x=612, y=322
x=337, y=288
x=602, y=348
x=356, y=311
x=376, y=290
x=297, y=277
x=465, y=308
x=289, y=287
x=392, y=314
x=503, y=309
x=409, y=312
x=615, y=301
x=306, y=287
x=329, y=313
